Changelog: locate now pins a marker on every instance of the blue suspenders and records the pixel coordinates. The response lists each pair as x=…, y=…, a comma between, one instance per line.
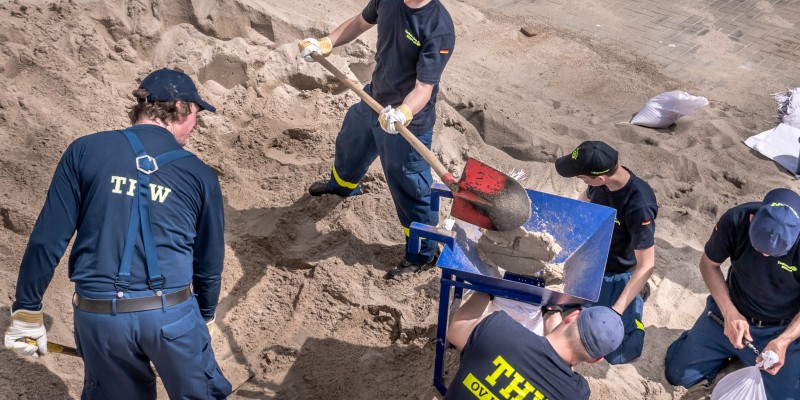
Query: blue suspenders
x=140, y=217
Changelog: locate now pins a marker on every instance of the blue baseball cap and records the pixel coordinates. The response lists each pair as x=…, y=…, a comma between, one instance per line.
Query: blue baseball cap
x=776, y=224
x=168, y=85
x=591, y=158
x=601, y=330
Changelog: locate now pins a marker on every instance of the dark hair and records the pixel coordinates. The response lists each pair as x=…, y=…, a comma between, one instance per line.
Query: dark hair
x=166, y=111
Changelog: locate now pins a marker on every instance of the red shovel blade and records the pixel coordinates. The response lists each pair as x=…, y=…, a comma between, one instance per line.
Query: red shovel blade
x=490, y=199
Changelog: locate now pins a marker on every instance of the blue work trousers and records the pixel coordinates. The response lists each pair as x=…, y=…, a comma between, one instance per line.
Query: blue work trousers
x=359, y=142
x=117, y=351
x=633, y=342
x=701, y=352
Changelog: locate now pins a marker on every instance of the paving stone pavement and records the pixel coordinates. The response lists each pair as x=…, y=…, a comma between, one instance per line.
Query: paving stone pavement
x=758, y=36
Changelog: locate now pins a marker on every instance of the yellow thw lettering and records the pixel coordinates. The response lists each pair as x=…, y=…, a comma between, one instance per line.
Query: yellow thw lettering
x=477, y=388
x=503, y=368
x=514, y=387
x=159, y=193
x=117, y=181
x=131, y=187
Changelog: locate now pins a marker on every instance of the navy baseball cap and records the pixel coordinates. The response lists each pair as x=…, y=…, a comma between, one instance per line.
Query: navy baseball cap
x=168, y=85
x=601, y=330
x=591, y=158
x=776, y=224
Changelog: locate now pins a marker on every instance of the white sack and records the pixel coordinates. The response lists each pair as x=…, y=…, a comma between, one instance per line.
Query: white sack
x=789, y=107
x=780, y=144
x=529, y=315
x=742, y=384
x=664, y=109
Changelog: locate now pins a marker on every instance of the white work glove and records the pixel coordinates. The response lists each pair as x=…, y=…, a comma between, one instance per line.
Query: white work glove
x=389, y=116
x=307, y=46
x=27, y=324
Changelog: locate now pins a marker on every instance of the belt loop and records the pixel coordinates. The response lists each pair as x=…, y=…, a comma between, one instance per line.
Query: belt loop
x=164, y=302
x=114, y=306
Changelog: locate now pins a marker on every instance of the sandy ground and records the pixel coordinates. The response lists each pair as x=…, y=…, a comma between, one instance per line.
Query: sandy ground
x=304, y=308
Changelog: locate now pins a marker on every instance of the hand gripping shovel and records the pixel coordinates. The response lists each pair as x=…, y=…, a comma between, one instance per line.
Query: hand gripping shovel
x=483, y=196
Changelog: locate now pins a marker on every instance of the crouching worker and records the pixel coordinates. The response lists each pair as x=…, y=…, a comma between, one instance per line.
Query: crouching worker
x=759, y=301
x=147, y=257
x=501, y=357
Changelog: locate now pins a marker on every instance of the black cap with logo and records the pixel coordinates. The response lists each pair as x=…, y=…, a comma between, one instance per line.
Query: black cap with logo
x=591, y=158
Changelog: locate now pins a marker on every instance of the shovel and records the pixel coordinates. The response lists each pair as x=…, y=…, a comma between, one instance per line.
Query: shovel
x=483, y=196
x=53, y=347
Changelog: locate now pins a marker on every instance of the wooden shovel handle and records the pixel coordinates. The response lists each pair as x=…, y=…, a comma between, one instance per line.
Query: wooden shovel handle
x=426, y=154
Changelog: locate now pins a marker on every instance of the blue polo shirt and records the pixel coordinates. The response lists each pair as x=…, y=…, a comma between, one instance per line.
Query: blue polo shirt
x=502, y=360
x=91, y=193
x=761, y=287
x=635, y=223
x=413, y=44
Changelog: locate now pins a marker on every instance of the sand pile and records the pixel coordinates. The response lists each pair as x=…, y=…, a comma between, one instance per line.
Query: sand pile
x=304, y=309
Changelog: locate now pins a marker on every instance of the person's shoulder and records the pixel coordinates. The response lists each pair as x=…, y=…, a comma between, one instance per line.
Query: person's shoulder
x=96, y=139
x=582, y=389
x=641, y=188
x=740, y=213
x=202, y=170
x=502, y=323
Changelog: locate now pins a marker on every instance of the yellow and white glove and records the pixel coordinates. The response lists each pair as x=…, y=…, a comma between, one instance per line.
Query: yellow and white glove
x=27, y=324
x=307, y=46
x=389, y=116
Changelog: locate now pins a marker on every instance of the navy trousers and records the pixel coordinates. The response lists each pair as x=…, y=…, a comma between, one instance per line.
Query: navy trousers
x=360, y=141
x=633, y=341
x=117, y=351
x=701, y=352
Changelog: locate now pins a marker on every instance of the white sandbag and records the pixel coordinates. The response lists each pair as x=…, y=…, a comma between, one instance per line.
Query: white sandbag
x=529, y=315
x=789, y=107
x=779, y=144
x=742, y=384
x=664, y=109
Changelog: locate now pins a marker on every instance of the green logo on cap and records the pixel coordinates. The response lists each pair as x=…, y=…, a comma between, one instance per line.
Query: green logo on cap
x=575, y=154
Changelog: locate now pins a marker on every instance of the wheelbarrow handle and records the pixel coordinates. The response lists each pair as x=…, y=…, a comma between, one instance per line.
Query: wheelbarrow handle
x=426, y=154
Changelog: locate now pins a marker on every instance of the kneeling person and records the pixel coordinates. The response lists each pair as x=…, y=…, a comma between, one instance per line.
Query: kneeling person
x=501, y=357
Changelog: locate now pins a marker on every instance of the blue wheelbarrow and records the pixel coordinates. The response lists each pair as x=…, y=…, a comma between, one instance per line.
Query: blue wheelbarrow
x=582, y=229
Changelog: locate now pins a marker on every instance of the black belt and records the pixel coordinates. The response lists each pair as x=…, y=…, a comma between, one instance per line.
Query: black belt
x=758, y=322
x=104, y=306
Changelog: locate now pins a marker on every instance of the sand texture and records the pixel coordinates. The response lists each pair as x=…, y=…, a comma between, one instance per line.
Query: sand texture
x=304, y=309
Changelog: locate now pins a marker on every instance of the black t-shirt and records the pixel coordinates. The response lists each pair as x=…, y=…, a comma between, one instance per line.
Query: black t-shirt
x=635, y=224
x=413, y=44
x=761, y=287
x=502, y=360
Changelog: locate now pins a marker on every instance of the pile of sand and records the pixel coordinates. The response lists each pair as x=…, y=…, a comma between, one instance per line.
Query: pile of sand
x=304, y=309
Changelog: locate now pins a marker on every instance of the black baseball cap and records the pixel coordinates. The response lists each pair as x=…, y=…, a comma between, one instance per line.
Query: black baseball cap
x=168, y=85
x=591, y=158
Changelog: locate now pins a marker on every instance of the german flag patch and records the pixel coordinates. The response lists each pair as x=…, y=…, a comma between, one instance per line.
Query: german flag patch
x=647, y=222
x=444, y=51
